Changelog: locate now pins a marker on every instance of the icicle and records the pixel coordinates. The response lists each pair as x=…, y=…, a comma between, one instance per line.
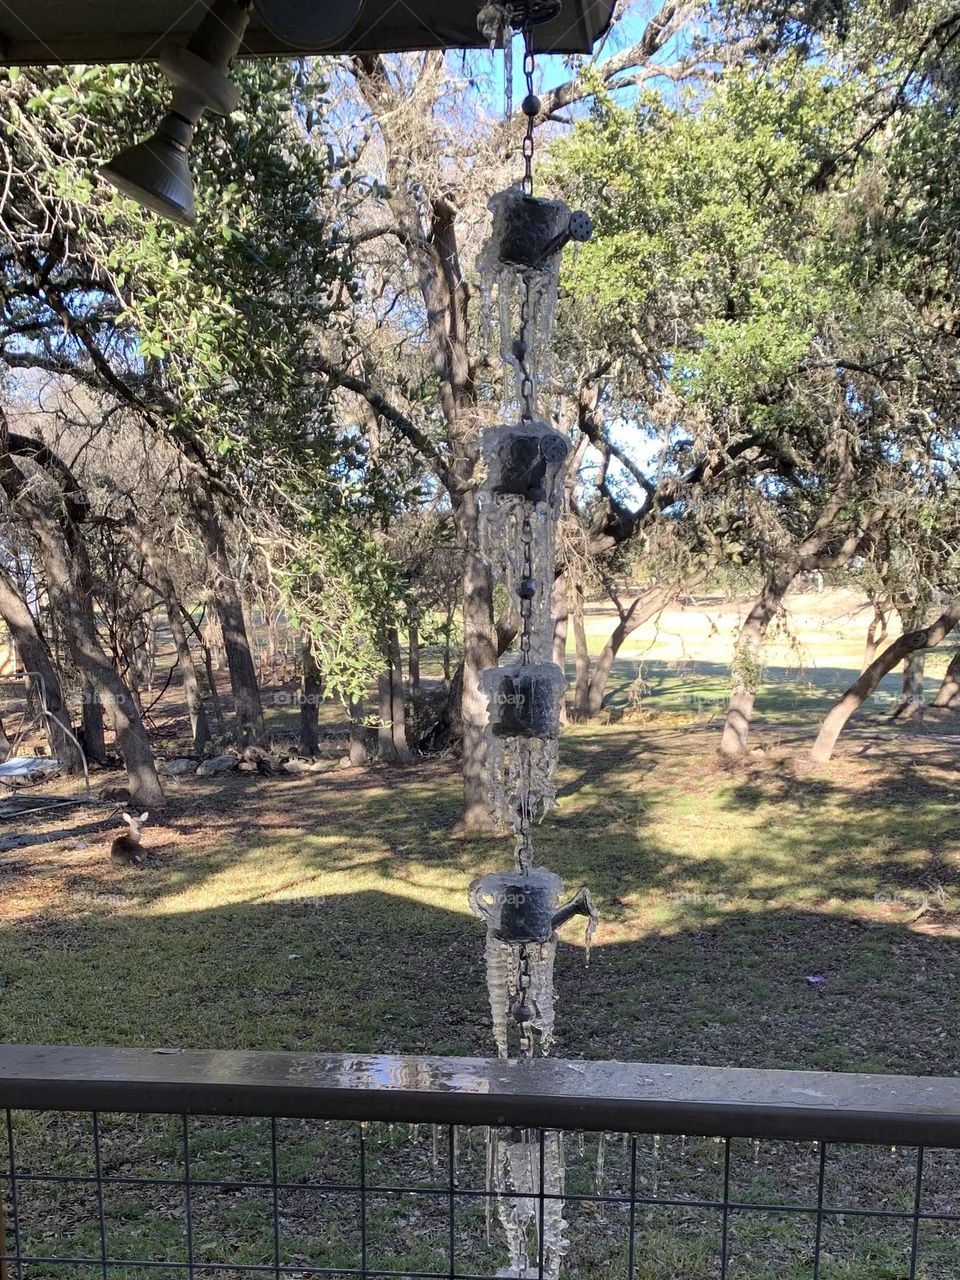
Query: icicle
x=756, y=1151
x=524, y=469
x=656, y=1163
x=588, y=941
x=503, y=973
x=515, y=1167
x=522, y=256
x=492, y=1157
x=507, y=74
x=600, y=1180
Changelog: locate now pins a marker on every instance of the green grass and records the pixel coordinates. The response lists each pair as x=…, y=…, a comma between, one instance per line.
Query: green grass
x=330, y=914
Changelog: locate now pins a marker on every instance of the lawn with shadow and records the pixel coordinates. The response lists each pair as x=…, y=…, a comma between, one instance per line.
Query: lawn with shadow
x=330, y=913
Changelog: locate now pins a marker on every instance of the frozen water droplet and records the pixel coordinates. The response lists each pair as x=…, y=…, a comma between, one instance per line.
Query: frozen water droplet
x=503, y=986
x=507, y=74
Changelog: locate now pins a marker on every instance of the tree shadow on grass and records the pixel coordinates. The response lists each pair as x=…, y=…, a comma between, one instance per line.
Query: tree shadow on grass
x=643, y=821
x=377, y=972
x=785, y=693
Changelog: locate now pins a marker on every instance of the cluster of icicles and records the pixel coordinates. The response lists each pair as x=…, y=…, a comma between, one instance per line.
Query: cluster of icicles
x=513, y=1183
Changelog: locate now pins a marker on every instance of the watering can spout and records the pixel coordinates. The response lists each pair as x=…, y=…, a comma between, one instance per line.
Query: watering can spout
x=579, y=905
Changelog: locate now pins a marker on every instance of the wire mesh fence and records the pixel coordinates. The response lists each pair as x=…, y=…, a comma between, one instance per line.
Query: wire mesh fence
x=138, y=1194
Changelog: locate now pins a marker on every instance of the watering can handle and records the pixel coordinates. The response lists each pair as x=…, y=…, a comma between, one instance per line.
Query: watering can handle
x=478, y=905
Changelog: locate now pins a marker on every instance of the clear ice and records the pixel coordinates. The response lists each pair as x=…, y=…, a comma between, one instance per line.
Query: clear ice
x=513, y=1180
x=502, y=546
x=506, y=282
x=522, y=779
x=521, y=772
x=521, y=501
x=503, y=985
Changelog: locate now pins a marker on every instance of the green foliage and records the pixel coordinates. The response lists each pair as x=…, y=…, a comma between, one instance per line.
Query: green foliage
x=703, y=228
x=771, y=273
x=209, y=330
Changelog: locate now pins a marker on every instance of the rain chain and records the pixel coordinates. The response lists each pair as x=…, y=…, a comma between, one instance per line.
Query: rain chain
x=520, y=500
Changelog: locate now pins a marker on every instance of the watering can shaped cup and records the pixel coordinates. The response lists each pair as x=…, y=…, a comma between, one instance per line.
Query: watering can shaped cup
x=521, y=907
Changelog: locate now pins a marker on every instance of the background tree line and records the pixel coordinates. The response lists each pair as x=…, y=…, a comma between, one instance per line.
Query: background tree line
x=756, y=363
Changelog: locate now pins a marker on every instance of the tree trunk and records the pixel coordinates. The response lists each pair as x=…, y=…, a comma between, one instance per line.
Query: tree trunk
x=912, y=699
x=561, y=621
x=132, y=739
x=199, y=725
x=448, y=644
x=643, y=608
x=41, y=675
x=311, y=691
x=948, y=695
x=213, y=643
x=876, y=634
x=479, y=653
x=883, y=664
x=92, y=732
x=413, y=655
x=392, y=734
x=207, y=667
x=68, y=585
x=745, y=669
x=358, y=734
x=236, y=641
x=561, y=617
x=581, y=688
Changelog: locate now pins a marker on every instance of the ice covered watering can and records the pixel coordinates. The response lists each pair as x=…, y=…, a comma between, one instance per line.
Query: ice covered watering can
x=526, y=908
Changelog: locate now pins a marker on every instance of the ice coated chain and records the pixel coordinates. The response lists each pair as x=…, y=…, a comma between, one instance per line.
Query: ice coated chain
x=520, y=499
x=527, y=587
x=531, y=108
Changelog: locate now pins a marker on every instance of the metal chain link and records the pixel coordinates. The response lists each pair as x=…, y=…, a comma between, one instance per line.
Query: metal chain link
x=522, y=351
x=527, y=587
x=522, y=345
x=529, y=67
x=522, y=1010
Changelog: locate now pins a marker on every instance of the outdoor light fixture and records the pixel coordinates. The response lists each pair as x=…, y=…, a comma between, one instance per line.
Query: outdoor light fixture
x=155, y=172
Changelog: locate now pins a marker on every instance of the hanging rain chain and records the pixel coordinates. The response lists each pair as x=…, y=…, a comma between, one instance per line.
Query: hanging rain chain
x=520, y=500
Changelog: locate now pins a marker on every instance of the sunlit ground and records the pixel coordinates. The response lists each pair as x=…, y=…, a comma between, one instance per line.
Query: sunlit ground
x=330, y=913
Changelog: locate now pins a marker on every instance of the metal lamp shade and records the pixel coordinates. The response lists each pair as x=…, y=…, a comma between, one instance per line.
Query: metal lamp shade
x=156, y=174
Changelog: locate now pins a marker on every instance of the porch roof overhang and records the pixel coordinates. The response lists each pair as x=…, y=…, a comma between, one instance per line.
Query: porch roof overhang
x=93, y=31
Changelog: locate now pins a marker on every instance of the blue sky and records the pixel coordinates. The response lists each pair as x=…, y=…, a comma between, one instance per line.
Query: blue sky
x=553, y=69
